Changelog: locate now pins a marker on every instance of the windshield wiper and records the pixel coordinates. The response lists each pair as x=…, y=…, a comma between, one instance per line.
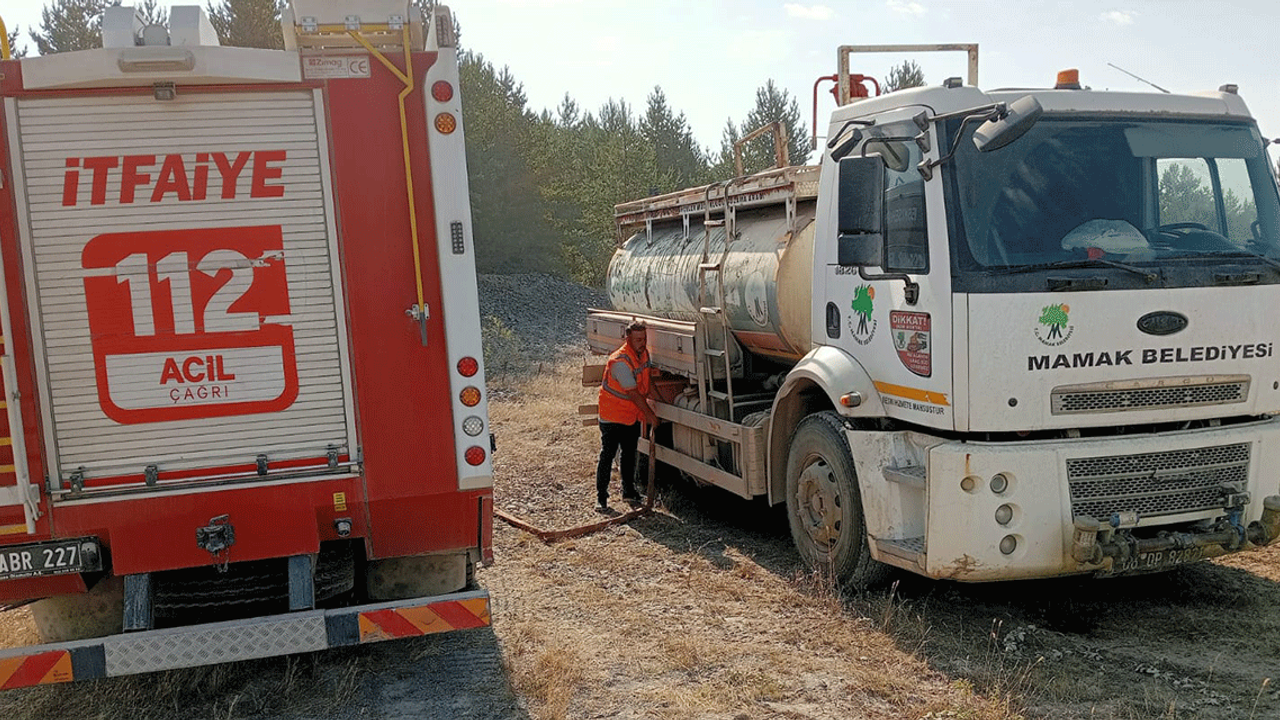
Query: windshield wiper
x=1236, y=254
x=1086, y=263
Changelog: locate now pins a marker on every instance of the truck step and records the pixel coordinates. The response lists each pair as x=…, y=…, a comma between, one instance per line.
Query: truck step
x=711, y=310
x=713, y=352
x=718, y=395
x=909, y=475
x=709, y=267
x=713, y=223
x=909, y=549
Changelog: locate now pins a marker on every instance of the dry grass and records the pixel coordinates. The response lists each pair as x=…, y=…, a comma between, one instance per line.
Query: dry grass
x=702, y=611
x=681, y=615
x=17, y=628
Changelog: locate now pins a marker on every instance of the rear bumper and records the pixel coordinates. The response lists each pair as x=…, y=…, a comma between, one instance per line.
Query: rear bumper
x=213, y=643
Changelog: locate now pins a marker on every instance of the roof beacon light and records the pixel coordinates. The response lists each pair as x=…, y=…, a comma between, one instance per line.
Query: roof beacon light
x=1068, y=80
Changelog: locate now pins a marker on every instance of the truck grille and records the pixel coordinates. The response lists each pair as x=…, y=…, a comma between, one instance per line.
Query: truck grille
x=1155, y=484
x=1091, y=399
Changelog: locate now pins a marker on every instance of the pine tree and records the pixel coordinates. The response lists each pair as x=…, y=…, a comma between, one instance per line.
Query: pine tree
x=16, y=50
x=724, y=167
x=67, y=25
x=772, y=105
x=152, y=13
x=247, y=23
x=508, y=212
x=901, y=77
x=681, y=163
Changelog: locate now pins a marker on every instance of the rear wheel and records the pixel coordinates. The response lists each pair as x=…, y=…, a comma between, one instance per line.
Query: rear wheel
x=416, y=576
x=824, y=506
x=96, y=613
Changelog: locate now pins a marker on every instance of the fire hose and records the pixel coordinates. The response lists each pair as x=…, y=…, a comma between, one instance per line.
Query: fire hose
x=554, y=535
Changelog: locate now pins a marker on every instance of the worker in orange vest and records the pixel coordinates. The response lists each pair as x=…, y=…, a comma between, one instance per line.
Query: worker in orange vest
x=623, y=405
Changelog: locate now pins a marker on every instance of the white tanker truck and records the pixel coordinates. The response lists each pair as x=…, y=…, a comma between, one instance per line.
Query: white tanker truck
x=993, y=335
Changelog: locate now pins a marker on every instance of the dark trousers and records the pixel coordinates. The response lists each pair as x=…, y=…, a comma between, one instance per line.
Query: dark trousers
x=612, y=437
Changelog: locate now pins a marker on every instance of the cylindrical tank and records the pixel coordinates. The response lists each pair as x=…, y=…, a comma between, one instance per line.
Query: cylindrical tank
x=767, y=276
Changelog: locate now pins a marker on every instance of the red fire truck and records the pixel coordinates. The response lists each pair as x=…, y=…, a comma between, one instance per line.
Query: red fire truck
x=242, y=372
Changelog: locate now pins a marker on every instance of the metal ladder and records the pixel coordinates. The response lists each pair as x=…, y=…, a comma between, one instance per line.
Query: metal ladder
x=22, y=491
x=706, y=267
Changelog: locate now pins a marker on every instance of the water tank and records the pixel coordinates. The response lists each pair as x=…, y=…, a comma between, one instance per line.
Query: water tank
x=767, y=275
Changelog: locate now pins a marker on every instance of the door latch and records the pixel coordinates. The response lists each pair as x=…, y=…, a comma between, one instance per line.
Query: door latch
x=216, y=538
x=420, y=314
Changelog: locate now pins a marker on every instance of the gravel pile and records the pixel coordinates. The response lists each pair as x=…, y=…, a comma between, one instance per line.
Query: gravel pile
x=534, y=316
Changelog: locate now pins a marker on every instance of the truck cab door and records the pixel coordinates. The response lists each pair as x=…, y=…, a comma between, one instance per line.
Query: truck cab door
x=888, y=299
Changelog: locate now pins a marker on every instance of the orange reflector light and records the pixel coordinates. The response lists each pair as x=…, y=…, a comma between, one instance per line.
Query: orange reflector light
x=446, y=123
x=470, y=396
x=1068, y=80
x=475, y=455
x=442, y=91
x=851, y=400
x=468, y=366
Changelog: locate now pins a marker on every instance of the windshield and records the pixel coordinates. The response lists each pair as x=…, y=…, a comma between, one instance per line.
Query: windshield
x=1171, y=197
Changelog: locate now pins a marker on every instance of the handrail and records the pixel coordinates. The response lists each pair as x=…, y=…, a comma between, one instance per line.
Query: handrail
x=407, y=78
x=781, y=156
x=5, y=50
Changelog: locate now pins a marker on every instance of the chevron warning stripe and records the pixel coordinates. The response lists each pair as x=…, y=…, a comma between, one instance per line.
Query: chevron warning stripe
x=40, y=669
x=393, y=623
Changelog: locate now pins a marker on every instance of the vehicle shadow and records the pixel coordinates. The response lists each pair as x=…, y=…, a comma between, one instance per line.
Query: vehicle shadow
x=1195, y=641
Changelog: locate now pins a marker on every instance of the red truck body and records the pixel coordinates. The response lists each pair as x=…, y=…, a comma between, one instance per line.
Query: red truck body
x=240, y=326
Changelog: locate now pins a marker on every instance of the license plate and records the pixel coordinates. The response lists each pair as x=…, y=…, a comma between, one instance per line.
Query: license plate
x=48, y=558
x=1155, y=561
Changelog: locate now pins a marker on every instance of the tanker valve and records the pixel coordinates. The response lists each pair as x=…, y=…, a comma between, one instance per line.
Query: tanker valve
x=1084, y=540
x=1270, y=519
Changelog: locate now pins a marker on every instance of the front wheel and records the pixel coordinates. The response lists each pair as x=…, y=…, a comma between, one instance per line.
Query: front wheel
x=824, y=506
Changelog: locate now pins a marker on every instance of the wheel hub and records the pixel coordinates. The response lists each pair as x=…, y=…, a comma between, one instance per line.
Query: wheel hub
x=820, y=504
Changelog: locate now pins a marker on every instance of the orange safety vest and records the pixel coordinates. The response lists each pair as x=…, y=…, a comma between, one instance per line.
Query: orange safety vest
x=614, y=405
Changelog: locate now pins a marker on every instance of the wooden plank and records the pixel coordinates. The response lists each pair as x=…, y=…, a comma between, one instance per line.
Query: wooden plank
x=592, y=375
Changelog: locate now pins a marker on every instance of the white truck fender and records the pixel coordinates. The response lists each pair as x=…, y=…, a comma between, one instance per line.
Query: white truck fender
x=817, y=382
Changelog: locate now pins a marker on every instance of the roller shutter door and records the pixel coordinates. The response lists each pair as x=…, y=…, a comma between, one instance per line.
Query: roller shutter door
x=182, y=262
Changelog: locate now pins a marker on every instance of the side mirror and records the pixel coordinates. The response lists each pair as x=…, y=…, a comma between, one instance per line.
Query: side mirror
x=860, y=239
x=893, y=153
x=1009, y=125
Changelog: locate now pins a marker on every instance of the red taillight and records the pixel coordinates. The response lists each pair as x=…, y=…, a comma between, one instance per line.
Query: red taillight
x=442, y=91
x=475, y=455
x=468, y=366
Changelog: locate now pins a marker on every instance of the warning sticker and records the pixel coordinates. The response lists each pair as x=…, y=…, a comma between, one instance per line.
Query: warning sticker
x=330, y=67
x=185, y=324
x=912, y=339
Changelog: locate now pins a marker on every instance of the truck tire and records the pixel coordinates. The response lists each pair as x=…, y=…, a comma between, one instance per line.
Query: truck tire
x=96, y=613
x=824, y=506
x=416, y=576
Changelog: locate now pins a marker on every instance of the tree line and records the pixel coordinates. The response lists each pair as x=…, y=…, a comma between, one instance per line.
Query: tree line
x=543, y=182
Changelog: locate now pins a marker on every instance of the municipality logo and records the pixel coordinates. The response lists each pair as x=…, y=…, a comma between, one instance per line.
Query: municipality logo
x=1053, y=329
x=863, y=306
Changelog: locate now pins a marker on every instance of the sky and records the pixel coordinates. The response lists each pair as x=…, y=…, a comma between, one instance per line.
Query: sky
x=710, y=56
